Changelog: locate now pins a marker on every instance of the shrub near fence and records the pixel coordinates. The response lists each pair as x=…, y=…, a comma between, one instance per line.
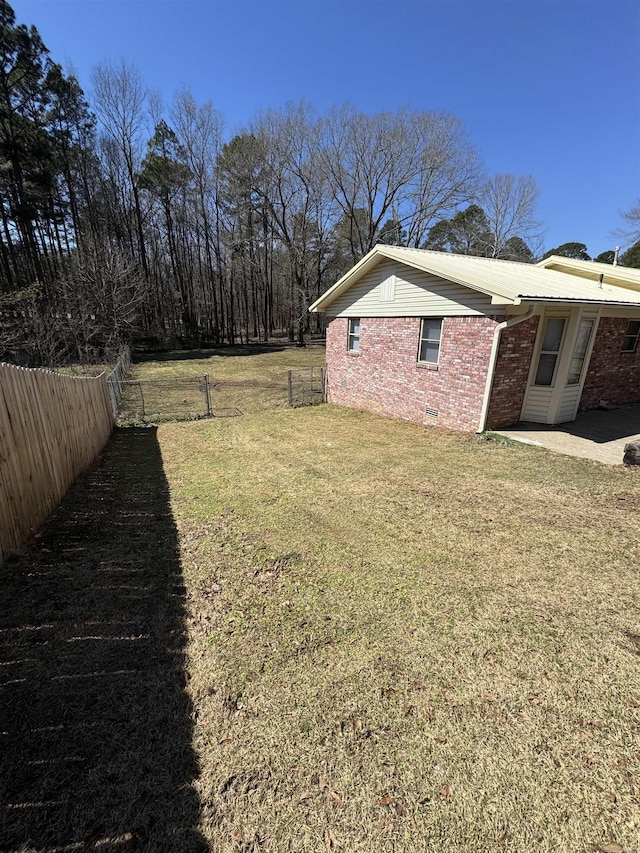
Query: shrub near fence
x=52, y=427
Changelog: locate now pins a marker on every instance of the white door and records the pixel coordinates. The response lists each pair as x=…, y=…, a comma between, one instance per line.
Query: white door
x=547, y=353
x=559, y=365
x=577, y=367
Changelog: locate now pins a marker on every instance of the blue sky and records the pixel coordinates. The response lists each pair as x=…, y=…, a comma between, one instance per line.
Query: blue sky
x=549, y=88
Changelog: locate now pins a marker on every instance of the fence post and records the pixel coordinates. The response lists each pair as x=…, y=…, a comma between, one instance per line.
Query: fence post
x=116, y=378
x=207, y=395
x=289, y=389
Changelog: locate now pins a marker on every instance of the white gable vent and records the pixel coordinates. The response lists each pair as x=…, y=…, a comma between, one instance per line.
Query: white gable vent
x=388, y=289
x=431, y=413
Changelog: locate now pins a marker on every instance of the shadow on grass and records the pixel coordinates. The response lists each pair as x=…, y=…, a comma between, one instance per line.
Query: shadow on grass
x=195, y=354
x=95, y=723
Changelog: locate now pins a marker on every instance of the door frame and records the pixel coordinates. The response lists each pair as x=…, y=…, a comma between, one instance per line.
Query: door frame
x=574, y=315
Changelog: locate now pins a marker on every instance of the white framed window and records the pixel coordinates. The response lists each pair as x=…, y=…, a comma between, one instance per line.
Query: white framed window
x=430, y=336
x=550, y=350
x=353, y=344
x=630, y=342
x=580, y=351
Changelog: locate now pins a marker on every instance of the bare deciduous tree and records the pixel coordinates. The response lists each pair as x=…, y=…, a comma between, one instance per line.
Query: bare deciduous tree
x=630, y=232
x=509, y=204
x=370, y=160
x=150, y=222
x=199, y=129
x=101, y=298
x=447, y=173
x=119, y=99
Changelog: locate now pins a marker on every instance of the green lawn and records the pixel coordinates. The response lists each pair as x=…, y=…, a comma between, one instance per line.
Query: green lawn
x=401, y=638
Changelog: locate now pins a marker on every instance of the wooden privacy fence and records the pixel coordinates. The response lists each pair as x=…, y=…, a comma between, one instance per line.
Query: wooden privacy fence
x=52, y=427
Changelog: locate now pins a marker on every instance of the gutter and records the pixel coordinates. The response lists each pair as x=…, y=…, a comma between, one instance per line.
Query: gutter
x=497, y=332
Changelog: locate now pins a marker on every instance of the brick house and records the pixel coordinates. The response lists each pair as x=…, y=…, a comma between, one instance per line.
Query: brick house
x=475, y=343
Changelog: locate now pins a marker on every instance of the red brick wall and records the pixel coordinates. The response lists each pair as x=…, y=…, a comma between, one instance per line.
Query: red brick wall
x=613, y=376
x=512, y=372
x=385, y=378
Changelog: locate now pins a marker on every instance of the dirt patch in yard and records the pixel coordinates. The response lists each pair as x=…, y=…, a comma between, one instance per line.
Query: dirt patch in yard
x=96, y=726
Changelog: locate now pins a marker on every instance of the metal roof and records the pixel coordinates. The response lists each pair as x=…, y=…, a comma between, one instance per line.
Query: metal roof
x=616, y=275
x=506, y=282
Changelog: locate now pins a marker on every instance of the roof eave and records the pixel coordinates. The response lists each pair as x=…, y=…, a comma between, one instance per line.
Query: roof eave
x=378, y=250
x=528, y=298
x=500, y=298
x=592, y=269
x=343, y=283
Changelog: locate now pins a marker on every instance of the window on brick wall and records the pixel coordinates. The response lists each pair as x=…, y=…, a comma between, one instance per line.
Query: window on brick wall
x=354, y=336
x=430, y=335
x=630, y=341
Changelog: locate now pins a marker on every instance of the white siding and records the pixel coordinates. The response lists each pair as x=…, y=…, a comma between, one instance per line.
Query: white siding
x=558, y=311
x=536, y=407
x=387, y=290
x=630, y=313
x=569, y=404
x=417, y=294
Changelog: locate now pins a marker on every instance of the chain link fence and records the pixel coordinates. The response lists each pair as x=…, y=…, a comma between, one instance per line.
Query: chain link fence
x=306, y=386
x=172, y=399
x=116, y=379
x=194, y=397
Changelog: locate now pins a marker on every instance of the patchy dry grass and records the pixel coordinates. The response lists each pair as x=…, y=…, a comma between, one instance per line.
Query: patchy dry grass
x=404, y=639
x=254, y=363
x=396, y=639
x=243, y=380
x=84, y=369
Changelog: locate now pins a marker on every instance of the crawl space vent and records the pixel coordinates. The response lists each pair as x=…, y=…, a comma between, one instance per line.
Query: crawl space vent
x=431, y=413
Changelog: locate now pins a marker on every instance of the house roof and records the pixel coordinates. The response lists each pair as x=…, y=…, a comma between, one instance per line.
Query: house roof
x=617, y=276
x=506, y=282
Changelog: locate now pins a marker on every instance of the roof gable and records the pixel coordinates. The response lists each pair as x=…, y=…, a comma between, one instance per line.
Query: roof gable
x=394, y=289
x=504, y=282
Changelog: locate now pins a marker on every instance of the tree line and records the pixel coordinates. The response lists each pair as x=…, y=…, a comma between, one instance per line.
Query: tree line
x=578, y=251
x=127, y=219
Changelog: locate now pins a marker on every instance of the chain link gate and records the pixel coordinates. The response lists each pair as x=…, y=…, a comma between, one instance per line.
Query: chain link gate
x=194, y=397
x=170, y=399
x=306, y=386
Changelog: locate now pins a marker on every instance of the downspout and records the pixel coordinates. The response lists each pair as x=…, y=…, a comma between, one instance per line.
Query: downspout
x=497, y=332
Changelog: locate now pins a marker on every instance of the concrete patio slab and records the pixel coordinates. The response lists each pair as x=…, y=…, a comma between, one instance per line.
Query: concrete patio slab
x=598, y=434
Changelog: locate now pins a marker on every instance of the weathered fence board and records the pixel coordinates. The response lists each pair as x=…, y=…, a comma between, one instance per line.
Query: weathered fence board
x=52, y=427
